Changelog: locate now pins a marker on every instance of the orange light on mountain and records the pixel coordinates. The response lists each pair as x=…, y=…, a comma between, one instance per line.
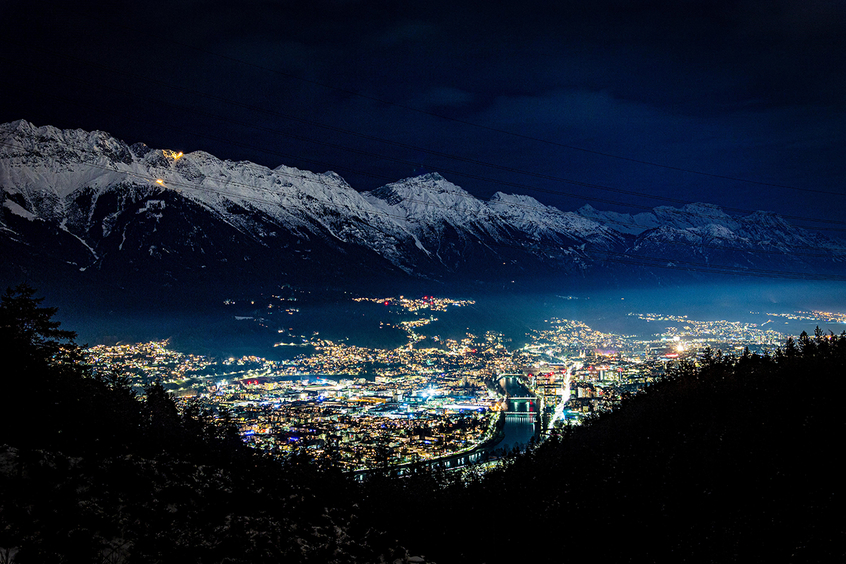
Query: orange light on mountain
x=172, y=154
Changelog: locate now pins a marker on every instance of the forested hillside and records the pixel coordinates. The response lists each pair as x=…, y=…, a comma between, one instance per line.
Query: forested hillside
x=91, y=473
x=733, y=461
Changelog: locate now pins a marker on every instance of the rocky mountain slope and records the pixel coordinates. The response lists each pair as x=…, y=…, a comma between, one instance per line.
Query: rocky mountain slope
x=85, y=206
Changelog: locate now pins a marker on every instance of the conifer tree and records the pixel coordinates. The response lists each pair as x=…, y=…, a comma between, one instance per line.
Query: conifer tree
x=28, y=333
x=38, y=360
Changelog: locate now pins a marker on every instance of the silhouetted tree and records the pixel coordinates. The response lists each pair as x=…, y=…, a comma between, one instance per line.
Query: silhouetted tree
x=28, y=333
x=40, y=363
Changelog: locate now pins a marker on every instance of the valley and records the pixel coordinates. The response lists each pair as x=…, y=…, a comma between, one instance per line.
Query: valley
x=397, y=381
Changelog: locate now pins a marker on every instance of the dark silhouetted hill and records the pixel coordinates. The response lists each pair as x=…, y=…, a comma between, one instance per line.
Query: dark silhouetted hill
x=91, y=473
x=733, y=461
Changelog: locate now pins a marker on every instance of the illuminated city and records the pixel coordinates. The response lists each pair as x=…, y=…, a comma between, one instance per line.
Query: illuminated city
x=432, y=398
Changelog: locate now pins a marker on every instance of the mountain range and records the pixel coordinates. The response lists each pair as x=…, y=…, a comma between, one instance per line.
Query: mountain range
x=85, y=210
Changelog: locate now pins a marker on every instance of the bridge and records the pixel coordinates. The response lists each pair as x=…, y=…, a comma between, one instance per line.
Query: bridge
x=523, y=415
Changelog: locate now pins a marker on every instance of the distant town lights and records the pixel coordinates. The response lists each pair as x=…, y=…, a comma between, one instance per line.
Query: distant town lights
x=160, y=182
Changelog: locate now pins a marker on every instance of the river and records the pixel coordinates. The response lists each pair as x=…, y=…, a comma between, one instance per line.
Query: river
x=518, y=431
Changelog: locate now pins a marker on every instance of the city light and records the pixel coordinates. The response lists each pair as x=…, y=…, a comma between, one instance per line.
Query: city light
x=423, y=403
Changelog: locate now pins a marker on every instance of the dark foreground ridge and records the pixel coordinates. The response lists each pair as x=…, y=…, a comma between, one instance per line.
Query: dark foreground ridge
x=734, y=461
x=730, y=462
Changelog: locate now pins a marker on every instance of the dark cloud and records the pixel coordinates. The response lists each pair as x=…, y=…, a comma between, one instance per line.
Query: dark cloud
x=438, y=97
x=750, y=89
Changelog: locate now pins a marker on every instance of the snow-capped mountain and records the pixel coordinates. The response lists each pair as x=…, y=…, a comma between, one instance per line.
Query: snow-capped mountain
x=429, y=205
x=95, y=203
x=452, y=226
x=702, y=237
x=84, y=204
x=690, y=215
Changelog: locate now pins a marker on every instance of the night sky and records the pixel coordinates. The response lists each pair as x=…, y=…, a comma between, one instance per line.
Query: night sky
x=623, y=105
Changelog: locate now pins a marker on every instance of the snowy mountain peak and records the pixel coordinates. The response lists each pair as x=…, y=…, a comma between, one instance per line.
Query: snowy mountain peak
x=768, y=218
x=694, y=215
x=18, y=126
x=90, y=200
x=429, y=187
x=428, y=202
x=501, y=198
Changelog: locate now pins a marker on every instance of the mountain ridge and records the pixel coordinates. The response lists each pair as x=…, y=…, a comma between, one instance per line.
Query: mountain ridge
x=95, y=204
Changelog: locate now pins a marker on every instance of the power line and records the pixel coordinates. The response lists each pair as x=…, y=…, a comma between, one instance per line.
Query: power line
x=609, y=256
x=458, y=120
x=377, y=155
x=315, y=178
x=360, y=151
x=660, y=262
